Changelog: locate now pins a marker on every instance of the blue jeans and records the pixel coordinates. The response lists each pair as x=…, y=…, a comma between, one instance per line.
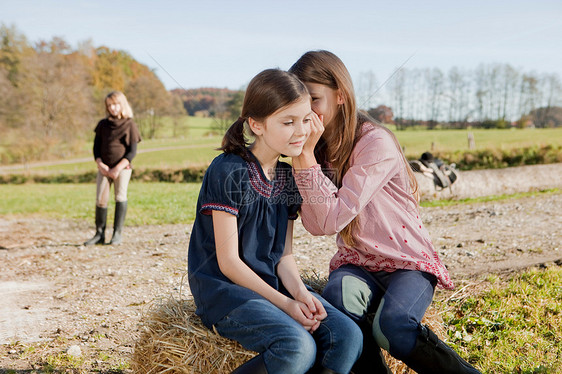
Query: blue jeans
x=397, y=299
x=285, y=345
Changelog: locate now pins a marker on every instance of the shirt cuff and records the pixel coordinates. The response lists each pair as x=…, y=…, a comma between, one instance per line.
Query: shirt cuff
x=305, y=177
x=206, y=209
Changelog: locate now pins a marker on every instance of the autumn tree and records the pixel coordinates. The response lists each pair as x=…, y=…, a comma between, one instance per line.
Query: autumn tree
x=150, y=101
x=59, y=105
x=52, y=94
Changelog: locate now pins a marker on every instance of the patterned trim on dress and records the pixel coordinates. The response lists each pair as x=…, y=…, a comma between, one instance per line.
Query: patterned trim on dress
x=263, y=187
x=206, y=208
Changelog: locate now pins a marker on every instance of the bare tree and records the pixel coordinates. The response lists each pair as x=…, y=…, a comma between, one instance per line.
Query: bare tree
x=528, y=94
x=397, y=89
x=550, y=89
x=434, y=79
x=366, y=90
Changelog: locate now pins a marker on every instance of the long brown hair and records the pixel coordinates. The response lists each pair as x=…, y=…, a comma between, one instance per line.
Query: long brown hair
x=339, y=139
x=269, y=91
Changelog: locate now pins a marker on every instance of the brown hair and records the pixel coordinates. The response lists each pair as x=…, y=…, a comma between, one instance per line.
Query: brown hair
x=269, y=91
x=338, y=140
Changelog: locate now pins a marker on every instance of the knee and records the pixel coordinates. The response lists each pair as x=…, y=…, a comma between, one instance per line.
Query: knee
x=350, y=295
x=396, y=332
x=350, y=339
x=293, y=353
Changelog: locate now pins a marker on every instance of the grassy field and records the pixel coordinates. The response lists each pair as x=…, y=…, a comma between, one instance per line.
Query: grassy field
x=508, y=325
x=417, y=142
x=149, y=203
x=195, y=142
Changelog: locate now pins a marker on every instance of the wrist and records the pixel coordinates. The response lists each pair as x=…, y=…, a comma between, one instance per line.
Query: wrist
x=305, y=161
x=283, y=303
x=301, y=293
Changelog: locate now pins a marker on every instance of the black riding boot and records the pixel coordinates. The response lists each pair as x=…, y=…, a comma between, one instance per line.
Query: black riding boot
x=431, y=355
x=371, y=359
x=119, y=221
x=101, y=219
x=253, y=366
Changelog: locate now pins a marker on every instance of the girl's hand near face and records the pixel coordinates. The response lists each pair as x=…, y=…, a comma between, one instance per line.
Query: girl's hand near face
x=307, y=159
x=316, y=131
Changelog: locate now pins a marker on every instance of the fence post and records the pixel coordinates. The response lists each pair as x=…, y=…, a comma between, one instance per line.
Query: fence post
x=471, y=142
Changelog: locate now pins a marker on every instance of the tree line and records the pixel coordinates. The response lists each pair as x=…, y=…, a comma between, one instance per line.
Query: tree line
x=52, y=94
x=492, y=95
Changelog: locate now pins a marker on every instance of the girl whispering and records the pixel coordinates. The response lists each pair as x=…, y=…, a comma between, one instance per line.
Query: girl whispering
x=385, y=266
x=242, y=273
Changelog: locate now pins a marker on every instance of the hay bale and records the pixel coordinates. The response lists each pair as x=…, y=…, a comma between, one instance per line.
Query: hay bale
x=174, y=340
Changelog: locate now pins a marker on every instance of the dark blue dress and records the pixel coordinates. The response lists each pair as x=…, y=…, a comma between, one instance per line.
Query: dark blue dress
x=262, y=208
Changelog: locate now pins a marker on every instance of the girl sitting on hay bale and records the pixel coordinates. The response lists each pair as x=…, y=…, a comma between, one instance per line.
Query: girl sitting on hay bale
x=242, y=274
x=386, y=265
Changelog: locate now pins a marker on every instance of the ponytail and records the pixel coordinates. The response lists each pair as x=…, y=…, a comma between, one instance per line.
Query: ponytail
x=234, y=140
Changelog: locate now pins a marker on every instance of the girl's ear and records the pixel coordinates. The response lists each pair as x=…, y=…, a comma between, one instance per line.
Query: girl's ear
x=339, y=97
x=255, y=126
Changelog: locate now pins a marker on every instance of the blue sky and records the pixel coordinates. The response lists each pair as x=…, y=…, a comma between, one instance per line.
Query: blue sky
x=225, y=43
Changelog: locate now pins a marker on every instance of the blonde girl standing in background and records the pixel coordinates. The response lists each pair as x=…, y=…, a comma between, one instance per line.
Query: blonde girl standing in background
x=115, y=146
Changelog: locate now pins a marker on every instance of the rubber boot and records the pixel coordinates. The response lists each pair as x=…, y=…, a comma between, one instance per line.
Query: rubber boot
x=119, y=221
x=371, y=359
x=101, y=219
x=253, y=366
x=431, y=355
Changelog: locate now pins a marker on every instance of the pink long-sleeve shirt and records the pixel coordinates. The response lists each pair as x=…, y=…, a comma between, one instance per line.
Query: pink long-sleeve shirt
x=390, y=234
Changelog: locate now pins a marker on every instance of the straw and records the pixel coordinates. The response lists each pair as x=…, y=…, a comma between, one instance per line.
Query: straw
x=174, y=340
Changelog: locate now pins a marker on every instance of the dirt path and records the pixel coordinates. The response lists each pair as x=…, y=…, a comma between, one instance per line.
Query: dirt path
x=57, y=294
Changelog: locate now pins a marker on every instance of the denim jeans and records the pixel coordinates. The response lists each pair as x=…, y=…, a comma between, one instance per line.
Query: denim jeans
x=397, y=299
x=285, y=345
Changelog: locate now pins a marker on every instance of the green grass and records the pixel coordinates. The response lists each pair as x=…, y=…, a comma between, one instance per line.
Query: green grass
x=174, y=157
x=509, y=326
x=149, y=203
x=199, y=145
x=416, y=142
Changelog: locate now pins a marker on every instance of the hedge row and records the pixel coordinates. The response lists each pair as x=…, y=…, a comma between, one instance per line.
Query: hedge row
x=465, y=160
x=146, y=175
x=498, y=158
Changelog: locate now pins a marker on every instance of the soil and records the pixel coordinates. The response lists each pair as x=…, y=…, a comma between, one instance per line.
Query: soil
x=73, y=305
